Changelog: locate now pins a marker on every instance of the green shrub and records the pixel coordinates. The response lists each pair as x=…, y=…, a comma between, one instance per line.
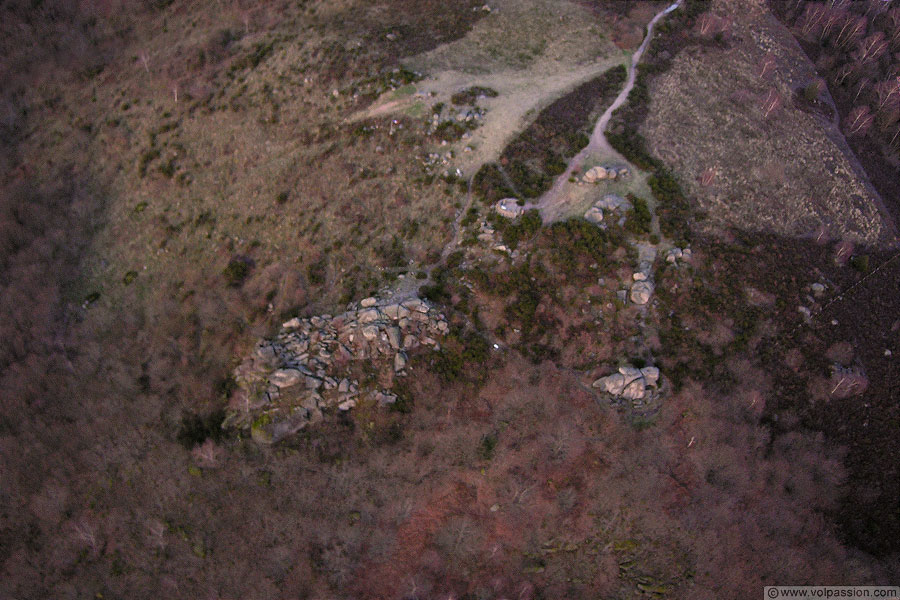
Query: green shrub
x=196, y=429
x=317, y=272
x=811, y=92
x=487, y=446
x=236, y=271
x=860, y=262
x=469, y=95
x=639, y=217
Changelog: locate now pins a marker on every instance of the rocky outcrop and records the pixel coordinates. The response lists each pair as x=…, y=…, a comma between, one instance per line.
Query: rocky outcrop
x=287, y=382
x=630, y=383
x=677, y=255
x=594, y=215
x=641, y=292
x=609, y=203
x=599, y=173
x=509, y=208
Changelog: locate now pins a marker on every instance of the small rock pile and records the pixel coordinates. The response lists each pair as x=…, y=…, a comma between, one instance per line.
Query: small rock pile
x=676, y=255
x=630, y=383
x=286, y=382
x=609, y=203
x=642, y=287
x=598, y=173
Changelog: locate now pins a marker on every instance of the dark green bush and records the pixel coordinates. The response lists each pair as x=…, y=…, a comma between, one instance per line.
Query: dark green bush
x=196, y=428
x=487, y=446
x=469, y=95
x=317, y=271
x=639, y=217
x=236, y=271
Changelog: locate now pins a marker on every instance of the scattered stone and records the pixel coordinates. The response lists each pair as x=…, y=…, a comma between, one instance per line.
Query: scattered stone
x=385, y=398
x=292, y=324
x=368, y=302
x=622, y=295
x=817, y=289
x=639, y=276
x=399, y=361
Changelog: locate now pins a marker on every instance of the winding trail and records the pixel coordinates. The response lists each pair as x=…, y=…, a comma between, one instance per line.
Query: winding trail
x=550, y=203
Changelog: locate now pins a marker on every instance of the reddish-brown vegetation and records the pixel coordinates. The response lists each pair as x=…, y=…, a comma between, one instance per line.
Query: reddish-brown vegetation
x=118, y=482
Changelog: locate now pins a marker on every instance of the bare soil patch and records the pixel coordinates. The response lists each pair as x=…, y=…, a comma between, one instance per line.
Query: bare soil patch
x=776, y=172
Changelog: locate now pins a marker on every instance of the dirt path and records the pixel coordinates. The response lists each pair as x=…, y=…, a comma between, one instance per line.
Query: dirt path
x=517, y=99
x=553, y=200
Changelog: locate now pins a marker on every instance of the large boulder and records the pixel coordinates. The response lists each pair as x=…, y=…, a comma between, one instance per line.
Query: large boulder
x=594, y=215
x=613, y=202
x=284, y=378
x=595, y=174
x=641, y=292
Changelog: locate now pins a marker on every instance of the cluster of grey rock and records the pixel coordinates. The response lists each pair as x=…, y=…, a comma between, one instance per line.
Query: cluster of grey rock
x=676, y=255
x=598, y=173
x=608, y=203
x=642, y=287
x=488, y=235
x=286, y=382
x=630, y=383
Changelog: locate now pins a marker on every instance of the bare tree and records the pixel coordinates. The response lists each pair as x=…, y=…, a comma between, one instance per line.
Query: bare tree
x=707, y=177
x=766, y=66
x=887, y=97
x=871, y=48
x=771, y=103
x=859, y=121
x=144, y=57
x=851, y=30
x=892, y=27
x=811, y=22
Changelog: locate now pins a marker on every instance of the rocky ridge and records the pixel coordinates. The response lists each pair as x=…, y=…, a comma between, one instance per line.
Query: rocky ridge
x=287, y=382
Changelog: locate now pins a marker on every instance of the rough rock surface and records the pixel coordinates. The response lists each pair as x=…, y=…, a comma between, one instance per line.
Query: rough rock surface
x=641, y=292
x=631, y=383
x=287, y=382
x=509, y=208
